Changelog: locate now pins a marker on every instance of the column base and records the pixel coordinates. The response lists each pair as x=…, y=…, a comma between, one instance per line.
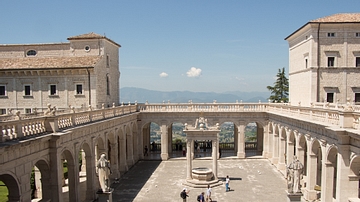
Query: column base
x=310, y=195
x=241, y=155
x=164, y=156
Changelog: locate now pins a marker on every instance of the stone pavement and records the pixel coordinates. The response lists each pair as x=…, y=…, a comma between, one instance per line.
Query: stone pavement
x=251, y=180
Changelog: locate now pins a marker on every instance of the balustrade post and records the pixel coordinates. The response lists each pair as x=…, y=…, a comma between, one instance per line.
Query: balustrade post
x=51, y=124
x=346, y=119
x=18, y=131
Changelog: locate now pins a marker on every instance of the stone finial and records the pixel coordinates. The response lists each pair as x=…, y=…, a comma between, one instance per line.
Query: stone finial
x=35, y=110
x=73, y=109
x=129, y=103
x=102, y=106
x=113, y=105
x=214, y=101
x=185, y=126
x=89, y=108
x=299, y=104
x=147, y=102
x=17, y=113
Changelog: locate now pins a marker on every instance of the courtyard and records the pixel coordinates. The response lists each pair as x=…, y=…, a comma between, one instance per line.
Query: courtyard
x=250, y=180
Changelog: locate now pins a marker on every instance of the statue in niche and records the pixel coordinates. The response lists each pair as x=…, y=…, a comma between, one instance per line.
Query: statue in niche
x=294, y=175
x=103, y=170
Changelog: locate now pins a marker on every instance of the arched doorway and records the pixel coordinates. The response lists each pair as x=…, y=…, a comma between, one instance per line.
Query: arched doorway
x=227, y=139
x=9, y=184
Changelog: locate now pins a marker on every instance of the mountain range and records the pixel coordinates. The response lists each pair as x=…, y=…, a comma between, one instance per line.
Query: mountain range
x=131, y=94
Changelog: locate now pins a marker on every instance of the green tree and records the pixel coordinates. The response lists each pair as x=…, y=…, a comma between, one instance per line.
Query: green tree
x=280, y=90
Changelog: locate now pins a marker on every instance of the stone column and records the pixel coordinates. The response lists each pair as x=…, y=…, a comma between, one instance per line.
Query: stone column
x=170, y=149
x=282, y=152
x=290, y=153
x=236, y=139
x=114, y=164
x=123, y=162
x=189, y=149
x=265, y=142
x=91, y=179
x=241, y=141
x=270, y=143
x=275, y=158
x=327, y=181
x=130, y=157
x=214, y=158
x=164, y=143
x=343, y=188
x=56, y=171
x=309, y=192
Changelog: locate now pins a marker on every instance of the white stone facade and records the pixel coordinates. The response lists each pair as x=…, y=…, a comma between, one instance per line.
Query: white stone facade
x=80, y=73
x=324, y=61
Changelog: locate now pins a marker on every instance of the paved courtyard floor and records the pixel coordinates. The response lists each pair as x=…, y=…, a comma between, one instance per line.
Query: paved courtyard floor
x=251, y=180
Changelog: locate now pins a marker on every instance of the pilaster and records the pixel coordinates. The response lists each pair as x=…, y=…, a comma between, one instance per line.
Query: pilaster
x=164, y=143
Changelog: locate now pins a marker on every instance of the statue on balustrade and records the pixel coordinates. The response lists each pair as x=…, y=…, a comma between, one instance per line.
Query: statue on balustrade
x=294, y=175
x=103, y=171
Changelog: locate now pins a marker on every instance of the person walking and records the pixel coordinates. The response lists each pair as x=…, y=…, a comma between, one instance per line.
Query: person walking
x=201, y=197
x=208, y=194
x=227, y=183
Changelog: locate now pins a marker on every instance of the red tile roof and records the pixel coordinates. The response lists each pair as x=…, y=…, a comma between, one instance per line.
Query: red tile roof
x=92, y=35
x=48, y=62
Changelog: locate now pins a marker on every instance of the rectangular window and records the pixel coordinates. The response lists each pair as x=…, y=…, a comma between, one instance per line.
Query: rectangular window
x=79, y=89
x=357, y=97
x=306, y=63
x=331, y=61
x=2, y=111
x=331, y=34
x=27, y=90
x=330, y=97
x=2, y=90
x=27, y=111
x=53, y=89
x=357, y=34
x=357, y=62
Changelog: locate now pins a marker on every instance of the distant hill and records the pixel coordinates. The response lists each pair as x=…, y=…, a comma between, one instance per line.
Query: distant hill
x=130, y=94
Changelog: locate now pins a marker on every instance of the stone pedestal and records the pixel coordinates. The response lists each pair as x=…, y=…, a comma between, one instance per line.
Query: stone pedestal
x=294, y=196
x=105, y=196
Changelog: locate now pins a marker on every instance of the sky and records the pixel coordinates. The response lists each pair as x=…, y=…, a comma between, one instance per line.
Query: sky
x=177, y=45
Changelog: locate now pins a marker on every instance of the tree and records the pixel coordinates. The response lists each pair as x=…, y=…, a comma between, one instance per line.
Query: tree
x=280, y=90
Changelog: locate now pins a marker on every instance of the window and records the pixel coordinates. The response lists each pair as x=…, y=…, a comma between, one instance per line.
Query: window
x=331, y=61
x=2, y=111
x=53, y=89
x=107, y=85
x=330, y=97
x=357, y=97
x=31, y=53
x=27, y=90
x=357, y=62
x=2, y=90
x=27, y=111
x=87, y=48
x=306, y=63
x=357, y=34
x=331, y=34
x=107, y=61
x=79, y=89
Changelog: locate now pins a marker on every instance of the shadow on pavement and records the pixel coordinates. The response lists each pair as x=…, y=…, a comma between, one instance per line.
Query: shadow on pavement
x=130, y=184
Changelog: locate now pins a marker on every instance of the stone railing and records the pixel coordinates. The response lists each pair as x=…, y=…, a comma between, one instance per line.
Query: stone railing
x=18, y=128
x=203, y=107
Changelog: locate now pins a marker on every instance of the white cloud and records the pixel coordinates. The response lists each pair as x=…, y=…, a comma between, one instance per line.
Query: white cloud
x=194, y=72
x=163, y=75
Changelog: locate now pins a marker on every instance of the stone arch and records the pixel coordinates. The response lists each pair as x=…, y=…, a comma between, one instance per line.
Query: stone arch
x=42, y=179
x=176, y=139
x=328, y=191
x=13, y=187
x=259, y=146
x=228, y=147
x=354, y=176
x=72, y=173
x=87, y=170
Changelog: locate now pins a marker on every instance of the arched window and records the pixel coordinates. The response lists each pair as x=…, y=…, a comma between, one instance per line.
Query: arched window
x=31, y=53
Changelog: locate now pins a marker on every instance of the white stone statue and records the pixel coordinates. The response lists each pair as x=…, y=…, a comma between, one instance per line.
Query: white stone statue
x=103, y=170
x=294, y=172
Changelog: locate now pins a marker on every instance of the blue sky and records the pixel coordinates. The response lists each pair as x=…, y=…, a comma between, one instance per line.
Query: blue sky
x=183, y=45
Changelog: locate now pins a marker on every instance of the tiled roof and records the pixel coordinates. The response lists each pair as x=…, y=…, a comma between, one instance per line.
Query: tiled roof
x=340, y=17
x=48, y=62
x=92, y=35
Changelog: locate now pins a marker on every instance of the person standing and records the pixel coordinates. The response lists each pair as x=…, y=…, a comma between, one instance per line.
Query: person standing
x=184, y=194
x=208, y=194
x=146, y=151
x=201, y=197
x=227, y=183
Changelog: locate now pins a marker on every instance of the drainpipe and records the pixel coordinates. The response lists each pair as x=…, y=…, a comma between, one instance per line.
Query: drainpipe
x=88, y=72
x=318, y=65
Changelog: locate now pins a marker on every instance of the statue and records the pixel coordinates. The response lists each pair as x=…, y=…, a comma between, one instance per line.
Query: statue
x=103, y=170
x=294, y=172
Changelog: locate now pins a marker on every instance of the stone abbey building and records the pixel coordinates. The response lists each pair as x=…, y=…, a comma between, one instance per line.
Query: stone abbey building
x=320, y=125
